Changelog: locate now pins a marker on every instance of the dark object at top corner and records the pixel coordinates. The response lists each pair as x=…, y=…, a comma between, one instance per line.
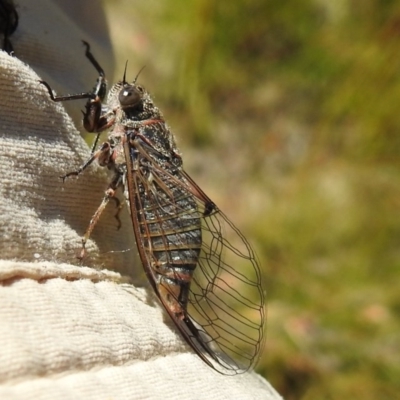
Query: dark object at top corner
x=8, y=23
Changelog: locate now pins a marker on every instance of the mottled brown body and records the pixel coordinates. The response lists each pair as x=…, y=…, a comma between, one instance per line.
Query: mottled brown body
x=178, y=229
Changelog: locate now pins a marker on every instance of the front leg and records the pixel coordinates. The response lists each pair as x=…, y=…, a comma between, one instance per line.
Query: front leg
x=95, y=118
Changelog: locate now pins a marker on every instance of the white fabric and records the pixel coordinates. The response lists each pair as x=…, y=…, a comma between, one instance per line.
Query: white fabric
x=69, y=331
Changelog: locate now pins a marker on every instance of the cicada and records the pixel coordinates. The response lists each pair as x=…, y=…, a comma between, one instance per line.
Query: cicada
x=200, y=266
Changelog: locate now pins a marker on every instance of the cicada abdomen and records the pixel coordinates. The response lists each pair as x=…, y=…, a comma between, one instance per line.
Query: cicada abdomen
x=168, y=221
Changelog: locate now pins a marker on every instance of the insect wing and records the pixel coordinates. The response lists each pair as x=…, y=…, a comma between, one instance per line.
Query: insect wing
x=226, y=297
x=200, y=265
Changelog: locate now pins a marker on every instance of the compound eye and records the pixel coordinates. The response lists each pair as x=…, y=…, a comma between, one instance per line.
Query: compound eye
x=129, y=96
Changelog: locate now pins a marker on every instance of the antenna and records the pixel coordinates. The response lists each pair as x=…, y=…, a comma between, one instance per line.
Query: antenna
x=137, y=76
x=123, y=79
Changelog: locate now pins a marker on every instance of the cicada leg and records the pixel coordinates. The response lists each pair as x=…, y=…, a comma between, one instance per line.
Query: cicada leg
x=109, y=195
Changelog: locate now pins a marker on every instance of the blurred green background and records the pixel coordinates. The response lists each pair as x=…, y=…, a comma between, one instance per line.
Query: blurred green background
x=287, y=113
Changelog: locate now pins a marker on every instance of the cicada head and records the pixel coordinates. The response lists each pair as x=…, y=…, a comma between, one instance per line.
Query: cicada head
x=134, y=101
x=131, y=96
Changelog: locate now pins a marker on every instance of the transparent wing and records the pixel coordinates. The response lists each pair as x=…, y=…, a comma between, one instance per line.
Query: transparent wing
x=226, y=300
x=200, y=265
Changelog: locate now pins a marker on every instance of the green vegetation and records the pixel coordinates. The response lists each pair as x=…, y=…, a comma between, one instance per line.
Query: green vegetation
x=295, y=108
